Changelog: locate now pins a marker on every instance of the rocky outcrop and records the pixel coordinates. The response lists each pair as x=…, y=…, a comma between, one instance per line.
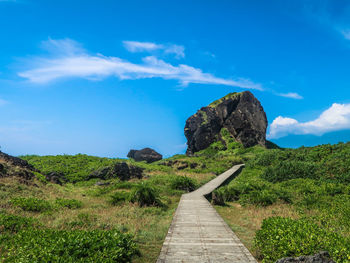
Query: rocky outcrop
x=56, y=178
x=122, y=170
x=322, y=257
x=15, y=161
x=11, y=166
x=240, y=113
x=147, y=154
x=180, y=165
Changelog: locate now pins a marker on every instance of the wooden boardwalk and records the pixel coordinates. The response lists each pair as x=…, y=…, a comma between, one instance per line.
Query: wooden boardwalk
x=198, y=233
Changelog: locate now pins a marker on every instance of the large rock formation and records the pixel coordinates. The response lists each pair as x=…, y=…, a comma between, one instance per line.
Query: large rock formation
x=240, y=113
x=147, y=154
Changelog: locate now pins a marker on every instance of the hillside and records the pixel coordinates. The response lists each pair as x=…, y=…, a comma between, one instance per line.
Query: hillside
x=285, y=202
x=299, y=197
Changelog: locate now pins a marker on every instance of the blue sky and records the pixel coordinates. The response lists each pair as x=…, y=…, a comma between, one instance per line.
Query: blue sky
x=102, y=77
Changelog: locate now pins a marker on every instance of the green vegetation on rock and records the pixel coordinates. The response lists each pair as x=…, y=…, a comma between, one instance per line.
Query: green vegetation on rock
x=228, y=96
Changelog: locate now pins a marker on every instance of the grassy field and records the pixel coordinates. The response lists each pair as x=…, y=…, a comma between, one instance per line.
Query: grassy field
x=284, y=203
x=80, y=205
x=292, y=202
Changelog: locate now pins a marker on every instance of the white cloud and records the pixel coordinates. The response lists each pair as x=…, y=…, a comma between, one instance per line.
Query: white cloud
x=71, y=61
x=335, y=118
x=291, y=95
x=136, y=46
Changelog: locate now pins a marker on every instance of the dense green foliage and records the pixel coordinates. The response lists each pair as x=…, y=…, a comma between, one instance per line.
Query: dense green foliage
x=12, y=223
x=32, y=204
x=145, y=195
x=314, y=180
x=23, y=240
x=74, y=167
x=183, y=183
x=120, y=197
x=48, y=245
x=284, y=237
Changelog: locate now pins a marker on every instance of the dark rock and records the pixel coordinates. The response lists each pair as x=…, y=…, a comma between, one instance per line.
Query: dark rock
x=15, y=161
x=182, y=166
x=179, y=165
x=147, y=154
x=193, y=165
x=322, y=257
x=56, y=178
x=121, y=170
x=240, y=113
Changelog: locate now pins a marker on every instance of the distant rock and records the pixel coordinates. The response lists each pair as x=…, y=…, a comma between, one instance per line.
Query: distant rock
x=56, y=178
x=122, y=170
x=147, y=154
x=322, y=257
x=240, y=113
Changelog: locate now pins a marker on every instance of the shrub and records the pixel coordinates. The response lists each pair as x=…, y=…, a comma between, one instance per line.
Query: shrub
x=119, y=197
x=32, y=204
x=284, y=237
x=287, y=170
x=219, y=196
x=13, y=223
x=183, y=183
x=69, y=203
x=48, y=245
x=145, y=195
x=262, y=198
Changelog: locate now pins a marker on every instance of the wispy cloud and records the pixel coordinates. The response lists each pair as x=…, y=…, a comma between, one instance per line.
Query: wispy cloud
x=291, y=95
x=69, y=60
x=136, y=46
x=335, y=118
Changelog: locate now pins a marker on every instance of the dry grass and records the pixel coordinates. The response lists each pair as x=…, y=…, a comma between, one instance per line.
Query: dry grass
x=246, y=220
x=149, y=225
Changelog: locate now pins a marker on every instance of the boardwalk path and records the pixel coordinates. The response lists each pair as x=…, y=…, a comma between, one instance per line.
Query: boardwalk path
x=197, y=232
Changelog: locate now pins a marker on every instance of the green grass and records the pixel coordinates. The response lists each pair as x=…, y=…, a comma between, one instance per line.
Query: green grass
x=309, y=186
x=228, y=96
x=312, y=180
x=142, y=209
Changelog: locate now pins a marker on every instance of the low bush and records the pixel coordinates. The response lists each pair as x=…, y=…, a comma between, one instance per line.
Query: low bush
x=119, y=197
x=183, y=183
x=287, y=170
x=145, y=195
x=259, y=197
x=48, y=245
x=13, y=223
x=69, y=203
x=284, y=237
x=32, y=204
